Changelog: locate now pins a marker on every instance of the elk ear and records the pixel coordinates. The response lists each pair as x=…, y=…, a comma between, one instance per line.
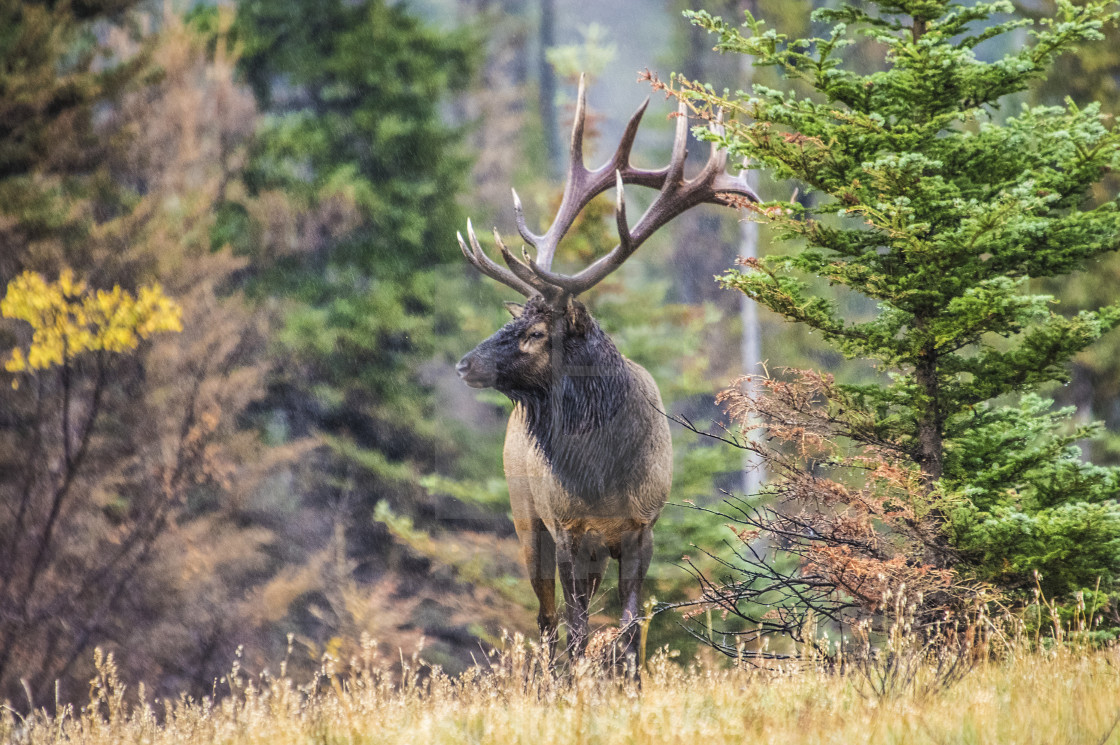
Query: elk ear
x=576, y=317
x=515, y=309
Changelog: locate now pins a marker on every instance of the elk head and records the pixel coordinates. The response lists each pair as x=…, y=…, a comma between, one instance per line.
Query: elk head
x=521, y=354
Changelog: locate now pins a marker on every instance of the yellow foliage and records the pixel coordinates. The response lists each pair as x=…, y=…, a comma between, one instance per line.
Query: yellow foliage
x=68, y=318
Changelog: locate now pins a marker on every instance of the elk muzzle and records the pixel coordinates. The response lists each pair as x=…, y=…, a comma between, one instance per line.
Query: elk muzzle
x=475, y=371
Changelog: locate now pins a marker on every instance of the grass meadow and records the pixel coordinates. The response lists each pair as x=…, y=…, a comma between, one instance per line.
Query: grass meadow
x=1047, y=697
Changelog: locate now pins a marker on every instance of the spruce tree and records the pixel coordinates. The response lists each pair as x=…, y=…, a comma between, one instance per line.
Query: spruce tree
x=943, y=210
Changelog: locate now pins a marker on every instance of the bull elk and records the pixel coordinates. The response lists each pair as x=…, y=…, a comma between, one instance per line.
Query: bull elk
x=588, y=458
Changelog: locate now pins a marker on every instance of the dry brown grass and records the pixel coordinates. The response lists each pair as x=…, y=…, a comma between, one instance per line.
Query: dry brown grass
x=1057, y=696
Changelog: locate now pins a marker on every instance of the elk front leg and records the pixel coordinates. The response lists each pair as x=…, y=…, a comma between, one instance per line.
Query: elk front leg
x=575, y=584
x=539, y=554
x=633, y=563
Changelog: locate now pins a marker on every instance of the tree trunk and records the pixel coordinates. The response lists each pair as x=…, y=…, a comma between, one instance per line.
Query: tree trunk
x=929, y=455
x=931, y=459
x=548, y=87
x=754, y=472
x=1081, y=391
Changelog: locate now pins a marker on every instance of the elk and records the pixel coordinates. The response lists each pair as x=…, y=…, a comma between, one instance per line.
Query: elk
x=587, y=457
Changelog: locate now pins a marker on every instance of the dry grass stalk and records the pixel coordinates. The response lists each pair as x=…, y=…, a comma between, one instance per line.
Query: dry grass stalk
x=1060, y=695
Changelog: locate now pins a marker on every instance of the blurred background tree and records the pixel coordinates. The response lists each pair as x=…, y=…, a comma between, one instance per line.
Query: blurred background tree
x=1091, y=75
x=353, y=183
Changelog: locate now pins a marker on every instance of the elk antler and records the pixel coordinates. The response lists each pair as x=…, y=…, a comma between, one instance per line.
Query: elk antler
x=582, y=185
x=526, y=284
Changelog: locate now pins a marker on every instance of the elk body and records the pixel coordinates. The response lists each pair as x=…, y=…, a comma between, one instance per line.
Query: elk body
x=588, y=457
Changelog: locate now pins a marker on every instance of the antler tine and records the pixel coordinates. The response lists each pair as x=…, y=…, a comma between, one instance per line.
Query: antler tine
x=483, y=263
x=621, y=158
x=717, y=158
x=469, y=254
x=680, y=146
x=620, y=216
x=519, y=213
x=577, y=189
x=521, y=271
x=575, y=154
x=716, y=168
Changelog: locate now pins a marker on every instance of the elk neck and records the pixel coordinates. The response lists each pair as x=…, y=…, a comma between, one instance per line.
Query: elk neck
x=583, y=416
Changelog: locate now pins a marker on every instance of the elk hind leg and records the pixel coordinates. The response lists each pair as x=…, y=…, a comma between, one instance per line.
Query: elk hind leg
x=634, y=560
x=580, y=559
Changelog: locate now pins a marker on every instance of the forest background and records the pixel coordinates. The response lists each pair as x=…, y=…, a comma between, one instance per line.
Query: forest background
x=298, y=466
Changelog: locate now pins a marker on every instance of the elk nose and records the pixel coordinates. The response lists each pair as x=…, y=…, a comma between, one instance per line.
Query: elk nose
x=472, y=373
